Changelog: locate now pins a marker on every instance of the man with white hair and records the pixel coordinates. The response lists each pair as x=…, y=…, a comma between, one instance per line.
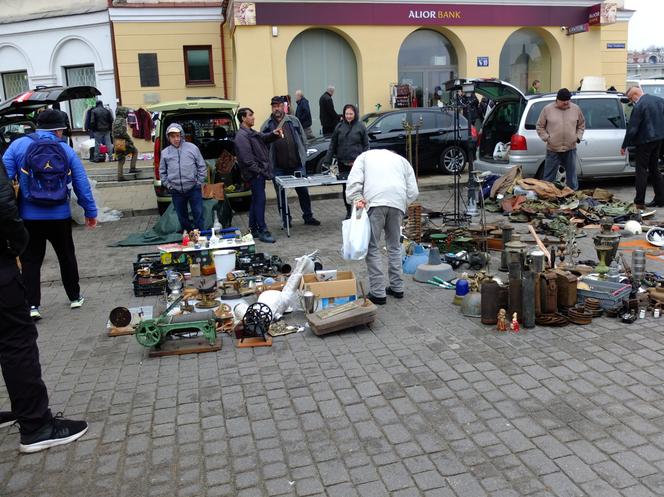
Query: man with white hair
x=646, y=131
x=329, y=118
x=303, y=113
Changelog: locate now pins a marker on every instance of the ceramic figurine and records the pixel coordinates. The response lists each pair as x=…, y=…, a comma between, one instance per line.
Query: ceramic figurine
x=195, y=236
x=515, y=324
x=185, y=238
x=502, y=320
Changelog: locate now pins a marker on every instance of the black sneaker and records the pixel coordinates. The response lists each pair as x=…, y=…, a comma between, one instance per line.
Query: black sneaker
x=312, y=221
x=377, y=300
x=396, y=295
x=7, y=418
x=266, y=237
x=58, y=431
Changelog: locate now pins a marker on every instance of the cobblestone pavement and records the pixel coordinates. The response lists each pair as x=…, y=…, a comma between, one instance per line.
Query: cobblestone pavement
x=426, y=403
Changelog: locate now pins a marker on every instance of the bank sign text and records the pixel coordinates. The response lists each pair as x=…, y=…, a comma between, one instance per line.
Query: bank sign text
x=434, y=14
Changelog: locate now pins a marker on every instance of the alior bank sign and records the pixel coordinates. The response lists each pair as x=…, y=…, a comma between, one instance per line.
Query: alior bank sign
x=352, y=13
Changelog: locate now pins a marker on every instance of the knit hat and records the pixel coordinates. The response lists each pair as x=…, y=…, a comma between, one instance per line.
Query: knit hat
x=563, y=95
x=51, y=120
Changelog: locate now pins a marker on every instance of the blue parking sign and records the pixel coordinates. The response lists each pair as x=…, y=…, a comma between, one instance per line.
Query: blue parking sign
x=483, y=62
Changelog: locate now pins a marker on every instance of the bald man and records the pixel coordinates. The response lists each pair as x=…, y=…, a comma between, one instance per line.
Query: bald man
x=645, y=131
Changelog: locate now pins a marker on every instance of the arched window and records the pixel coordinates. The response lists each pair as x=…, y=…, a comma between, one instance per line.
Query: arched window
x=524, y=58
x=317, y=58
x=426, y=60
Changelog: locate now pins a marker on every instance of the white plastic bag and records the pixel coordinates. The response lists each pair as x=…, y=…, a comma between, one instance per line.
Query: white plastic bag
x=356, y=233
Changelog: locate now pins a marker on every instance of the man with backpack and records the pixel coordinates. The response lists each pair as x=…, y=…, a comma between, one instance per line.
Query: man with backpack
x=45, y=167
x=101, y=123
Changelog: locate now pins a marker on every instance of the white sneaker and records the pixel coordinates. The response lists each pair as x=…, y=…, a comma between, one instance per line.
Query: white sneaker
x=34, y=313
x=75, y=304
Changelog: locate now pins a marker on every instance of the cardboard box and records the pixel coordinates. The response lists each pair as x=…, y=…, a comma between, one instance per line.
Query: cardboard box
x=332, y=292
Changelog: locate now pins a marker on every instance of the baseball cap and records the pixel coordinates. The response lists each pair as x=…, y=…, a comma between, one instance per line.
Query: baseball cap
x=563, y=95
x=277, y=100
x=51, y=120
x=173, y=129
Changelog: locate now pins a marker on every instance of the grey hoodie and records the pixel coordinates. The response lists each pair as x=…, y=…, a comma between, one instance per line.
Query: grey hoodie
x=182, y=168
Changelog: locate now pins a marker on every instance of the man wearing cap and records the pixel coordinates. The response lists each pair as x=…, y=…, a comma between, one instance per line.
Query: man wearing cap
x=646, y=132
x=288, y=156
x=561, y=125
x=49, y=222
x=182, y=170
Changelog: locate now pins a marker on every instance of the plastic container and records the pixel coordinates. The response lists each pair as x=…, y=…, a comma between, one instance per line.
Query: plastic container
x=224, y=262
x=609, y=294
x=420, y=256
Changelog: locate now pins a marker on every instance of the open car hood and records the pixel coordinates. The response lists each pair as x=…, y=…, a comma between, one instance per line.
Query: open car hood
x=496, y=89
x=32, y=100
x=196, y=104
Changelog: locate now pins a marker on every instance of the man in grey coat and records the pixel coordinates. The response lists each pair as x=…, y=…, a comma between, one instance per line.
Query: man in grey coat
x=384, y=183
x=183, y=170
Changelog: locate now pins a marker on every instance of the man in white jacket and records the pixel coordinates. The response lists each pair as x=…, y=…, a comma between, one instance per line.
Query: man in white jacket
x=383, y=182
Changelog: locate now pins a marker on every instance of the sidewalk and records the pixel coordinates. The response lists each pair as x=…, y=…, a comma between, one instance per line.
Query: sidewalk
x=137, y=198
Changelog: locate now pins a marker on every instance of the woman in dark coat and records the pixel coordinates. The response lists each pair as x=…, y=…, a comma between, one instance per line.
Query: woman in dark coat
x=349, y=140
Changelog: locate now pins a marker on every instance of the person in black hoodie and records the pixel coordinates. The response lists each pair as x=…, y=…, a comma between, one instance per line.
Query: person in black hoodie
x=19, y=354
x=349, y=140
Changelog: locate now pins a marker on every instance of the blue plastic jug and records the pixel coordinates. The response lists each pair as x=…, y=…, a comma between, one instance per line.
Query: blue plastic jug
x=420, y=256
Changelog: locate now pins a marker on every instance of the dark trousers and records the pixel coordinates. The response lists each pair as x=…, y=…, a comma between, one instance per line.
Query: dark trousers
x=554, y=160
x=257, y=209
x=19, y=358
x=647, y=157
x=190, y=199
x=58, y=232
x=302, y=195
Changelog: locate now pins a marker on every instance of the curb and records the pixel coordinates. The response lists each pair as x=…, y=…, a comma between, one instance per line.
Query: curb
x=273, y=201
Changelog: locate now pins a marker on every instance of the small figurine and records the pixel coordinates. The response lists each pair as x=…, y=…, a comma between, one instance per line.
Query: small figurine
x=195, y=236
x=514, y=326
x=185, y=238
x=502, y=320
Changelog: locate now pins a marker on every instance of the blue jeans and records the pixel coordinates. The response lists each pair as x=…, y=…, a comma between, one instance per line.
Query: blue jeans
x=554, y=160
x=302, y=195
x=257, y=209
x=190, y=199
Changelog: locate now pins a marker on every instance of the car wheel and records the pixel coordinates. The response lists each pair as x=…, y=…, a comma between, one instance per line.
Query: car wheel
x=321, y=168
x=452, y=159
x=241, y=204
x=561, y=176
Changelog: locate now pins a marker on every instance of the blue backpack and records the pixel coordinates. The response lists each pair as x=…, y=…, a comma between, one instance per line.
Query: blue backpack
x=46, y=172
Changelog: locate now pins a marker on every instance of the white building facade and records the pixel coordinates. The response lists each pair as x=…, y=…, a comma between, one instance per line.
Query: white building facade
x=69, y=50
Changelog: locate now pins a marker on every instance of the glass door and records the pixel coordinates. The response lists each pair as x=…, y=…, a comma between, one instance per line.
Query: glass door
x=80, y=76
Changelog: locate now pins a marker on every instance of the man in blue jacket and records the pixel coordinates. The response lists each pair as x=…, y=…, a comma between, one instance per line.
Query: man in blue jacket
x=182, y=170
x=288, y=157
x=50, y=222
x=303, y=113
x=646, y=131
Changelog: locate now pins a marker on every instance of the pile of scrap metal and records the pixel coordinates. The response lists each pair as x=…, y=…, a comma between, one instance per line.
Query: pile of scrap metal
x=528, y=199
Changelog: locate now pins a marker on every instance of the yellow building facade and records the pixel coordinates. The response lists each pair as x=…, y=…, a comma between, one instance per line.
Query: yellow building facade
x=286, y=46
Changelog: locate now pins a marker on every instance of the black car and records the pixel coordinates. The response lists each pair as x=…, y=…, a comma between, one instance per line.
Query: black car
x=437, y=147
x=17, y=116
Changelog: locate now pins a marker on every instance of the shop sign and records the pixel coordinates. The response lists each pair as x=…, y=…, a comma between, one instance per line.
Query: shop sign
x=604, y=13
x=615, y=45
x=579, y=28
x=482, y=61
x=274, y=13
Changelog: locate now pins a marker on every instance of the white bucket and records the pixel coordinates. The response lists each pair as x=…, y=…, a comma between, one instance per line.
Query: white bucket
x=224, y=262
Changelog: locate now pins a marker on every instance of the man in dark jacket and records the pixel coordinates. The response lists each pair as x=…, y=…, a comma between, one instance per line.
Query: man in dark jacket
x=253, y=158
x=646, y=132
x=19, y=355
x=288, y=156
x=328, y=116
x=303, y=113
x=101, y=122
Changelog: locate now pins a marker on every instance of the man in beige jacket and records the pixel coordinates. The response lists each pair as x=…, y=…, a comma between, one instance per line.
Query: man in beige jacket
x=561, y=126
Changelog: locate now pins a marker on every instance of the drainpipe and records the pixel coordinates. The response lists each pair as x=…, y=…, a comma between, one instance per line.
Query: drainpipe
x=116, y=74
x=223, y=59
